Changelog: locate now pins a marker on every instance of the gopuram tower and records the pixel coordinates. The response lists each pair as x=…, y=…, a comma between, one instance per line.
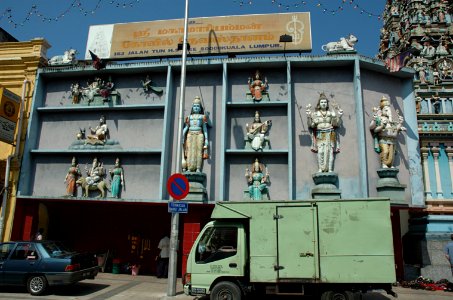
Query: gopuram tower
x=419, y=34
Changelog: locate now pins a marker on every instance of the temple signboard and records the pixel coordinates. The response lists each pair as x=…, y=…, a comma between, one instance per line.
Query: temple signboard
x=207, y=36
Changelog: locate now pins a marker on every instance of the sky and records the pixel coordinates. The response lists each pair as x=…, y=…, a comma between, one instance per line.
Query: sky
x=65, y=23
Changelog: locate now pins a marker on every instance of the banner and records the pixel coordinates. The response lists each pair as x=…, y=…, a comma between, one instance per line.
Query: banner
x=9, y=113
x=206, y=36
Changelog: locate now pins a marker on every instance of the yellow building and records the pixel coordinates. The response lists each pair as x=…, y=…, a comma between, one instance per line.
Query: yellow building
x=19, y=62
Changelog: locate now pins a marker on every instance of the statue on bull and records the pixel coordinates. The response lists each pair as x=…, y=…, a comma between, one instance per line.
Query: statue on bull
x=94, y=180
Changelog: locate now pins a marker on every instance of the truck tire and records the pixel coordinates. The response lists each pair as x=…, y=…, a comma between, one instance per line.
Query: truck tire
x=36, y=285
x=226, y=290
x=337, y=295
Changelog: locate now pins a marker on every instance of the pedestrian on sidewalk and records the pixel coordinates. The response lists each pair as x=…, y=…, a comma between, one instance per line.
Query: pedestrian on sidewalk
x=163, y=257
x=39, y=235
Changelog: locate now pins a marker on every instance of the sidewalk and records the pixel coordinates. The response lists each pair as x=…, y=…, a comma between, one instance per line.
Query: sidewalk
x=124, y=286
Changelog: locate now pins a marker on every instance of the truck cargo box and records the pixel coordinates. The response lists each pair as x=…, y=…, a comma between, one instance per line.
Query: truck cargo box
x=326, y=241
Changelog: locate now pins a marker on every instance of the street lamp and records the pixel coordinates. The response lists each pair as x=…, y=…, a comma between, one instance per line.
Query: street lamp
x=172, y=264
x=180, y=46
x=285, y=38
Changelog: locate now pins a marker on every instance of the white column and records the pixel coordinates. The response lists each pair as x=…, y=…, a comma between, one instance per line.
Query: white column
x=425, y=154
x=430, y=108
x=440, y=194
x=450, y=164
x=444, y=108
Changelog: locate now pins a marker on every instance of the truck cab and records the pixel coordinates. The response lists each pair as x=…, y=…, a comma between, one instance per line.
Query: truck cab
x=219, y=254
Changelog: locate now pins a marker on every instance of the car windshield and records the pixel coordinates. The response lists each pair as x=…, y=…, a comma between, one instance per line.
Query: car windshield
x=55, y=249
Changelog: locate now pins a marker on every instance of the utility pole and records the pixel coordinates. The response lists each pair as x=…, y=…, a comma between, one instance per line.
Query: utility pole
x=172, y=266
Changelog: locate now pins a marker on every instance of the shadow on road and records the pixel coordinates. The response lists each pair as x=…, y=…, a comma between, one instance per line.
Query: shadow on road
x=366, y=296
x=78, y=289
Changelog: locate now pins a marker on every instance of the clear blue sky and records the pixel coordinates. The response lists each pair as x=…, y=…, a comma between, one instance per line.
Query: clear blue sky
x=328, y=22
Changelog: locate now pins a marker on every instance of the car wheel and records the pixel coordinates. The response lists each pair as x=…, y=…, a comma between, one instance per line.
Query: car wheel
x=226, y=290
x=36, y=285
x=337, y=295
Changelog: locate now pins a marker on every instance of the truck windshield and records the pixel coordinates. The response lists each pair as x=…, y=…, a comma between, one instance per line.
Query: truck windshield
x=217, y=243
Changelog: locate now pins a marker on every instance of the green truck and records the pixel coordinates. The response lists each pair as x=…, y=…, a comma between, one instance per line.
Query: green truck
x=337, y=249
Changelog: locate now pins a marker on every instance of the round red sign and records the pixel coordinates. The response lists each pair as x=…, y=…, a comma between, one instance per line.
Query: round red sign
x=178, y=186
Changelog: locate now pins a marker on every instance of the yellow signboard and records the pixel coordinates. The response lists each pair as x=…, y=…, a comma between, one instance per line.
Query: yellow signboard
x=9, y=113
x=206, y=36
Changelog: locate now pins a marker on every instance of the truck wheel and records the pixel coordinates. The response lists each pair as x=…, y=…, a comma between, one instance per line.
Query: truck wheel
x=36, y=285
x=226, y=290
x=335, y=295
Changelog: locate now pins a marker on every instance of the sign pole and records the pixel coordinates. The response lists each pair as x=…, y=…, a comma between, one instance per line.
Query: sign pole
x=172, y=266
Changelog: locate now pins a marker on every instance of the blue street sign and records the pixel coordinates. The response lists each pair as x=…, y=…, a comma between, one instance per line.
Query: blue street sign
x=177, y=207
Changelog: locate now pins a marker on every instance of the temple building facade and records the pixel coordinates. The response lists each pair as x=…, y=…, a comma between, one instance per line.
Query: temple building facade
x=102, y=145
x=419, y=34
x=101, y=139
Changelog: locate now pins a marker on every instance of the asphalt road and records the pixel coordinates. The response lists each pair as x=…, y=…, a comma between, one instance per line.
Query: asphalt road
x=121, y=286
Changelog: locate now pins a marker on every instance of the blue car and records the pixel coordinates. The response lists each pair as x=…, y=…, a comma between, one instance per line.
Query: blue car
x=41, y=264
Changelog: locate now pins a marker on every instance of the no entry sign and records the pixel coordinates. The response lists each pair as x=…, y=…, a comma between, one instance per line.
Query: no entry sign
x=178, y=186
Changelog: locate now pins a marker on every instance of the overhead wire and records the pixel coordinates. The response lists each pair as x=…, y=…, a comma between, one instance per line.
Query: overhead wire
x=37, y=11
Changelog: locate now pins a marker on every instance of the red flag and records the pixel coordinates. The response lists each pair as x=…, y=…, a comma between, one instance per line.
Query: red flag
x=394, y=64
x=97, y=62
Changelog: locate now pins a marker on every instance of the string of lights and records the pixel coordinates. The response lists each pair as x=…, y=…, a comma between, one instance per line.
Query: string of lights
x=76, y=5
x=319, y=4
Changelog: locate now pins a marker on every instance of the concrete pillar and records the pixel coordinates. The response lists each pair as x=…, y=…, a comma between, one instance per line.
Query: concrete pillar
x=425, y=154
x=440, y=194
x=450, y=164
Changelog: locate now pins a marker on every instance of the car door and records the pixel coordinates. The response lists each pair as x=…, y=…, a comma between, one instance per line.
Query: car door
x=23, y=259
x=5, y=251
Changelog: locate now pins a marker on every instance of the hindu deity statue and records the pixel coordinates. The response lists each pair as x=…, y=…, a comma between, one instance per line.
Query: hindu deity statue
x=71, y=177
x=94, y=180
x=117, y=175
x=96, y=173
x=257, y=86
x=323, y=124
x=106, y=88
x=256, y=132
x=98, y=87
x=149, y=87
x=385, y=131
x=92, y=89
x=98, y=135
x=258, y=180
x=76, y=92
x=195, y=135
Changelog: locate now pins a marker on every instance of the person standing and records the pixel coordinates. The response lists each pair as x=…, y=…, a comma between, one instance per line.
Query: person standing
x=39, y=235
x=449, y=252
x=163, y=258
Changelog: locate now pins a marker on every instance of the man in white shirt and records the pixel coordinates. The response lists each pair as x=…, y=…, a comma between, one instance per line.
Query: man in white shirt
x=39, y=234
x=163, y=258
